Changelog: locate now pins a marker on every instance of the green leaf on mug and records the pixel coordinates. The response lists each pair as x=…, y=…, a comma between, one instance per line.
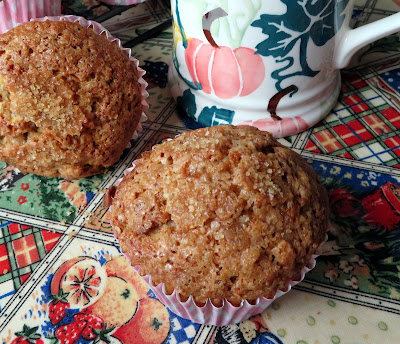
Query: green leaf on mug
x=211, y=116
x=304, y=21
x=187, y=103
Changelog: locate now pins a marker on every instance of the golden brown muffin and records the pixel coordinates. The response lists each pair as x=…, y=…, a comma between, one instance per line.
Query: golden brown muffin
x=221, y=212
x=69, y=99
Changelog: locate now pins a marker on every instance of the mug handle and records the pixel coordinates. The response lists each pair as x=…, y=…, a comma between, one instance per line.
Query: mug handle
x=355, y=39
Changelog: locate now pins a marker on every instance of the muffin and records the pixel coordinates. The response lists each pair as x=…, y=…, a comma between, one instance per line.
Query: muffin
x=15, y=12
x=70, y=99
x=221, y=213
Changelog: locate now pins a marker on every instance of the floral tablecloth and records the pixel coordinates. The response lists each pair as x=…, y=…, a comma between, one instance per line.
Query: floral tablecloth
x=58, y=255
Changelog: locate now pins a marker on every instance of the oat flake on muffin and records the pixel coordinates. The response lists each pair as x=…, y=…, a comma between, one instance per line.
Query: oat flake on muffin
x=221, y=213
x=70, y=100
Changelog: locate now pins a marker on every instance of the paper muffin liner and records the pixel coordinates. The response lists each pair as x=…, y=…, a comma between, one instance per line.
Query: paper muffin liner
x=123, y=2
x=15, y=12
x=100, y=30
x=220, y=316
x=210, y=314
x=227, y=314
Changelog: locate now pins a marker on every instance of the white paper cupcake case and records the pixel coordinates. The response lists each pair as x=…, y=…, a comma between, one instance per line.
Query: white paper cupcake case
x=209, y=314
x=226, y=314
x=15, y=12
x=99, y=30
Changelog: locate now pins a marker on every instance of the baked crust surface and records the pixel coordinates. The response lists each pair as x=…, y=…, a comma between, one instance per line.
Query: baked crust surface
x=69, y=99
x=221, y=213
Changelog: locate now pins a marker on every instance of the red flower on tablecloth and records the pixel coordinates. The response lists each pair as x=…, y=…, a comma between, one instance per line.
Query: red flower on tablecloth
x=21, y=200
x=344, y=204
x=383, y=207
x=25, y=186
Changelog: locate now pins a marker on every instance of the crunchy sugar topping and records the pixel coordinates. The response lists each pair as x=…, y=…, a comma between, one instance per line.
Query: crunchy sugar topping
x=221, y=212
x=69, y=99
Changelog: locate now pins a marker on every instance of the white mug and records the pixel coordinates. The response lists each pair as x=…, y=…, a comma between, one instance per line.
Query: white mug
x=273, y=64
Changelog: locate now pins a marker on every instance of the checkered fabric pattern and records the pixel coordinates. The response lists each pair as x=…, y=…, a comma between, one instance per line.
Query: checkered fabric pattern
x=21, y=249
x=363, y=126
x=182, y=331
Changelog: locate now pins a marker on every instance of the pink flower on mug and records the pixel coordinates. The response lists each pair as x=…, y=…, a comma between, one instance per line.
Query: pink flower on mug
x=25, y=186
x=352, y=282
x=21, y=200
x=345, y=266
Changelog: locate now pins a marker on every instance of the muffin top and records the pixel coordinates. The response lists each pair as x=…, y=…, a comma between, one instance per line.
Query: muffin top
x=221, y=213
x=71, y=89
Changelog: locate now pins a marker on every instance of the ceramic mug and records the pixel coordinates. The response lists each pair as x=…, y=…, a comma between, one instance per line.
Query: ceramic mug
x=273, y=64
